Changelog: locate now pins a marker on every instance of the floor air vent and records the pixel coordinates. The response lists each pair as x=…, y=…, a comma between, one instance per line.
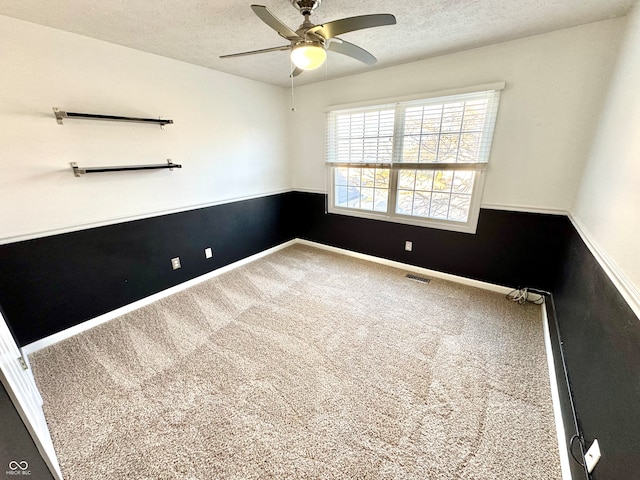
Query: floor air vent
x=417, y=278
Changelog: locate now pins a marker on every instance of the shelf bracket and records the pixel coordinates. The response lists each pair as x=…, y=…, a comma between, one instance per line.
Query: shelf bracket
x=60, y=115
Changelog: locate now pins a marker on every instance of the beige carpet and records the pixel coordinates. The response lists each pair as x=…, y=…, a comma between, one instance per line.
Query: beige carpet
x=306, y=364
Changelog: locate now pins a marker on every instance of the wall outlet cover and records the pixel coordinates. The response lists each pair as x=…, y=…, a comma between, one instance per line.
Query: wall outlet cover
x=175, y=263
x=408, y=246
x=592, y=456
x=208, y=253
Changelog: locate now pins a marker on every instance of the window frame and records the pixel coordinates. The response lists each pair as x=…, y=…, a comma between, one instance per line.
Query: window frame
x=395, y=166
x=465, y=227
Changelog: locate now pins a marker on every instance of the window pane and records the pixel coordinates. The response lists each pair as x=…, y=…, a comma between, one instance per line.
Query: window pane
x=432, y=195
x=439, y=206
x=421, y=204
x=469, y=147
x=428, y=194
x=355, y=176
x=381, y=200
x=371, y=124
x=340, y=176
x=405, y=202
x=387, y=122
x=413, y=121
x=342, y=150
x=463, y=182
x=411, y=148
x=450, y=132
x=347, y=196
x=432, y=119
x=407, y=179
x=442, y=180
x=368, y=177
x=448, y=148
x=356, y=150
x=382, y=177
x=452, y=117
x=385, y=150
x=424, y=180
x=474, y=115
x=364, y=136
x=370, y=149
x=353, y=200
x=381, y=191
x=361, y=188
x=429, y=148
x=366, y=199
x=343, y=126
x=356, y=126
x=341, y=196
x=460, y=205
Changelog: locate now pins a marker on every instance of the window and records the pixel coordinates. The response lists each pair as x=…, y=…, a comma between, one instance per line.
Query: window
x=420, y=162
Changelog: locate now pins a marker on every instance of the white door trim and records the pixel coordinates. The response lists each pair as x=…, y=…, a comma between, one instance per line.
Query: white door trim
x=24, y=394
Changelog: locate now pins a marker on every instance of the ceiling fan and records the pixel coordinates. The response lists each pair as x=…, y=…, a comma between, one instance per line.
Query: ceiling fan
x=310, y=42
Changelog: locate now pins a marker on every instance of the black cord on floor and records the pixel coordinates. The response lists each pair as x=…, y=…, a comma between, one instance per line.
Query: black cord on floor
x=551, y=309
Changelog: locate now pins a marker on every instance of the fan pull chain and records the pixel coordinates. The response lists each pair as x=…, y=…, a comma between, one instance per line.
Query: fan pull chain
x=293, y=95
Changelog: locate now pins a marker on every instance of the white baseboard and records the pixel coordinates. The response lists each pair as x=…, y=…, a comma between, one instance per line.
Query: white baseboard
x=555, y=399
x=57, y=337
x=411, y=268
x=94, y=322
x=76, y=329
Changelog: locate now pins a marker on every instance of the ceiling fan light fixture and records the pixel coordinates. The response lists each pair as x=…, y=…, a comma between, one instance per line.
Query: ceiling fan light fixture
x=308, y=56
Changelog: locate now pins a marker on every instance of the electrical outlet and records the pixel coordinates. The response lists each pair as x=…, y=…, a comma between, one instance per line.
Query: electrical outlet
x=592, y=456
x=208, y=253
x=408, y=246
x=175, y=263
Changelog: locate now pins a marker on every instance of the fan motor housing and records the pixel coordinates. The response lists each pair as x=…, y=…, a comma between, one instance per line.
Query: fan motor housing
x=306, y=6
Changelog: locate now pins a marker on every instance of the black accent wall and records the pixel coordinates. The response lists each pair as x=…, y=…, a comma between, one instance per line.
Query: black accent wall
x=509, y=248
x=601, y=340
x=52, y=283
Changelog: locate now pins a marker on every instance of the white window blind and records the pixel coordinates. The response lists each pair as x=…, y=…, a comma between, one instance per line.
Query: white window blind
x=417, y=161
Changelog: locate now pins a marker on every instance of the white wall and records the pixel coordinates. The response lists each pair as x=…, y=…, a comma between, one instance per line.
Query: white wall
x=229, y=132
x=608, y=202
x=555, y=88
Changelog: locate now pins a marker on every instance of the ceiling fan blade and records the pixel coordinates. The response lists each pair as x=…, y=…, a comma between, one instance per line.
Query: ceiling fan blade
x=338, y=27
x=345, y=48
x=254, y=52
x=270, y=19
x=297, y=71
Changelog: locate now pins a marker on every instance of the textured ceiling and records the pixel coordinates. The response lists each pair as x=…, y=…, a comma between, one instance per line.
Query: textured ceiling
x=198, y=31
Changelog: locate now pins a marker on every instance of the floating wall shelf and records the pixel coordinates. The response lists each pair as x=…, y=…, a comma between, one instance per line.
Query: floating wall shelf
x=61, y=115
x=78, y=171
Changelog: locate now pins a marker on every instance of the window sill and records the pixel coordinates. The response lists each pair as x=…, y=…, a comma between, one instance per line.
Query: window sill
x=462, y=227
